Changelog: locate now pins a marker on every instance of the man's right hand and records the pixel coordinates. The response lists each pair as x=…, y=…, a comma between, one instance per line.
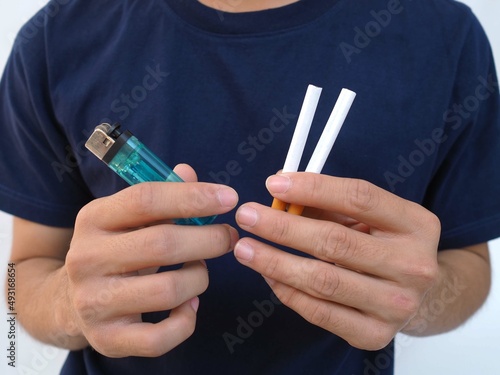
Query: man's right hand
x=118, y=243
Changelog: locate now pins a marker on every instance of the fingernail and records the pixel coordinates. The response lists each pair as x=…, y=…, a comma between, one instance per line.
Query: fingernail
x=278, y=183
x=195, y=304
x=243, y=251
x=247, y=216
x=227, y=197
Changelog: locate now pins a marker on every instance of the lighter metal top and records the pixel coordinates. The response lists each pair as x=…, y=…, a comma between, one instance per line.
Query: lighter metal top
x=100, y=142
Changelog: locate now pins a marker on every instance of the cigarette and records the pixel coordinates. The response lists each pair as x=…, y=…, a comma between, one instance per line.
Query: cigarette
x=327, y=139
x=331, y=131
x=300, y=135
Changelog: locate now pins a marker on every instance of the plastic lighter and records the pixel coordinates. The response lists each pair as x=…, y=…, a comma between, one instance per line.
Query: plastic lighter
x=134, y=162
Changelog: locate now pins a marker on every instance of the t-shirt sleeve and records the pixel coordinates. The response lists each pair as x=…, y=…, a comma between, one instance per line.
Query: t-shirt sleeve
x=39, y=177
x=465, y=192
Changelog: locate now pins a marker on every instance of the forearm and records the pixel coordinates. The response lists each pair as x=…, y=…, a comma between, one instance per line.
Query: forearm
x=462, y=287
x=42, y=303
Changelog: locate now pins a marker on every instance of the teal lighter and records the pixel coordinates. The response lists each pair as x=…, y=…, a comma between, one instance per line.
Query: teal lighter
x=134, y=162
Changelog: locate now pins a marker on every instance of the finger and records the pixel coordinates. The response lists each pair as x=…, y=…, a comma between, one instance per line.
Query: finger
x=349, y=222
x=324, y=240
x=314, y=277
x=358, y=329
x=148, y=339
x=355, y=198
x=164, y=245
x=157, y=292
x=186, y=172
x=149, y=202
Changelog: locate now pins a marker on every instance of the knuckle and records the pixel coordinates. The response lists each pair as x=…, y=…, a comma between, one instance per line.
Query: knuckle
x=272, y=267
x=152, y=352
x=384, y=335
x=205, y=280
x=139, y=198
x=202, y=197
x=80, y=302
x=334, y=243
x=102, y=340
x=426, y=221
x=84, y=306
x=429, y=272
x=320, y=315
x=325, y=282
x=380, y=336
x=280, y=229
x=433, y=224
x=156, y=345
x=195, y=199
x=189, y=325
x=104, y=297
x=86, y=217
x=199, y=278
x=315, y=183
x=160, y=240
x=151, y=346
x=285, y=297
x=98, y=339
x=426, y=272
x=361, y=195
x=73, y=263
x=404, y=306
x=166, y=291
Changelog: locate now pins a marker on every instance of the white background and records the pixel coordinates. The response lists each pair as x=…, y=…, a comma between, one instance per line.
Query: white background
x=471, y=349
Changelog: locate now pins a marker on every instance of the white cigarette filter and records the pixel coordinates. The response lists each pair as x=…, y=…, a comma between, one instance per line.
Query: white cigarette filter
x=325, y=143
x=331, y=131
x=302, y=128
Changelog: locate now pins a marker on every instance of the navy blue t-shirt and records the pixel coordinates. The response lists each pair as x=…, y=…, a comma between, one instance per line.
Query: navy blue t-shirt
x=222, y=92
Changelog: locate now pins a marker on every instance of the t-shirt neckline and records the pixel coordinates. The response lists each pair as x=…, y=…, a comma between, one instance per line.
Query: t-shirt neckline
x=270, y=20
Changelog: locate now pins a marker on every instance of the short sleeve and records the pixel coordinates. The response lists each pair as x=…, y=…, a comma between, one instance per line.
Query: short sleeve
x=39, y=177
x=465, y=191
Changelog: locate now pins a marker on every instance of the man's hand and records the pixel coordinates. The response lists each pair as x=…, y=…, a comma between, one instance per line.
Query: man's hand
x=374, y=255
x=118, y=244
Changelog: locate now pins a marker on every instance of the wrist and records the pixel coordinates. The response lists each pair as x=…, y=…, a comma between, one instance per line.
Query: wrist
x=68, y=334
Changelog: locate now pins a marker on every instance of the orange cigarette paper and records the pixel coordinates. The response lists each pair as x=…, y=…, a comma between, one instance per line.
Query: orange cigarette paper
x=278, y=205
x=295, y=209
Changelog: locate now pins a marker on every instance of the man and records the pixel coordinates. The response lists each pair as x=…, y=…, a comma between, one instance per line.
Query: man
x=219, y=87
